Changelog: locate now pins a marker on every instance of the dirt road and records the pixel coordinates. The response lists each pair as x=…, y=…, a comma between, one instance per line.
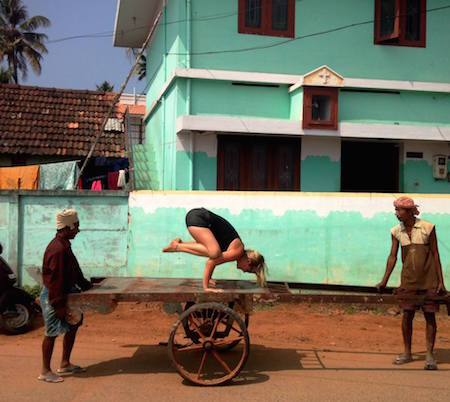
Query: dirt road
x=298, y=352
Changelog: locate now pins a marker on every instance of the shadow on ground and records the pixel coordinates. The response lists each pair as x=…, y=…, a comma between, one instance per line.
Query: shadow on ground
x=262, y=360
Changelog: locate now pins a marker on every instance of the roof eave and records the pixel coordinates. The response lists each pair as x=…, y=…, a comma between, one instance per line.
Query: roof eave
x=134, y=18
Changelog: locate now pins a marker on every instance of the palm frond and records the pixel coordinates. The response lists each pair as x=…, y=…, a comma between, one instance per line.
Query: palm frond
x=34, y=23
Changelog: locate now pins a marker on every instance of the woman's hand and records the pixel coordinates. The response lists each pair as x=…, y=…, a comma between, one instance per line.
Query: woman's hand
x=212, y=290
x=212, y=282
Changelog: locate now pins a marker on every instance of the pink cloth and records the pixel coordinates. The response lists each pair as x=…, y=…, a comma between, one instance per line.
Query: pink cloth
x=96, y=185
x=406, y=203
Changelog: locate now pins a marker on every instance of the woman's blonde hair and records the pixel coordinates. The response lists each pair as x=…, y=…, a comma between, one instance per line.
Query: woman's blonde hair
x=259, y=268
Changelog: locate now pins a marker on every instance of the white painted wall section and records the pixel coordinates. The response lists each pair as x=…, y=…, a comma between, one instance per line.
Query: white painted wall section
x=316, y=146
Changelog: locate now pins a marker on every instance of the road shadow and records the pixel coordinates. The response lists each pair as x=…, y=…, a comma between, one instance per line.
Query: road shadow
x=153, y=359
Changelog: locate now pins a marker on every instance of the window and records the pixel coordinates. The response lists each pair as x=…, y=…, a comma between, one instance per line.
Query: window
x=369, y=166
x=400, y=22
x=320, y=108
x=267, y=17
x=258, y=163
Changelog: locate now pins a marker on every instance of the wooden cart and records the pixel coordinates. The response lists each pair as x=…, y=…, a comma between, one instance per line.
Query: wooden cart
x=209, y=343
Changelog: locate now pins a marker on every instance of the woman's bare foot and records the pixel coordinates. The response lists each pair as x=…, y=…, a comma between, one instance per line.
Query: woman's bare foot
x=173, y=245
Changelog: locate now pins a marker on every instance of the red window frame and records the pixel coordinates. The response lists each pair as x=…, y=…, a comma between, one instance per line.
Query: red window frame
x=266, y=20
x=398, y=37
x=308, y=122
x=245, y=145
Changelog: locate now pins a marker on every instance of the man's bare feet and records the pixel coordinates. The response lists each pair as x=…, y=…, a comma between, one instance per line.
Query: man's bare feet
x=173, y=245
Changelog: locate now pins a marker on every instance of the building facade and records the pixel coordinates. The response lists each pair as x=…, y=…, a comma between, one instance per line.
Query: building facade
x=292, y=95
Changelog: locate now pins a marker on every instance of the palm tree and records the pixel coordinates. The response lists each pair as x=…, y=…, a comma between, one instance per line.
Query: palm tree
x=4, y=75
x=105, y=86
x=141, y=68
x=19, y=42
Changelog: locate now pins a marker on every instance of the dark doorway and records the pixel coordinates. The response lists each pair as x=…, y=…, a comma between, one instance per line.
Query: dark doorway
x=371, y=167
x=251, y=163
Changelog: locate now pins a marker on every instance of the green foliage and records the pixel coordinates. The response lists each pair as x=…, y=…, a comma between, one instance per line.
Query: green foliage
x=105, y=86
x=20, y=45
x=34, y=291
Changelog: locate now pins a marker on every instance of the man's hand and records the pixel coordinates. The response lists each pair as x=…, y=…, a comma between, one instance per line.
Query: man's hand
x=61, y=312
x=380, y=287
x=441, y=289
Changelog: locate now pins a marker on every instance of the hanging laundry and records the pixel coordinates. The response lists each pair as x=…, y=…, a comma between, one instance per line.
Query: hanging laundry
x=121, y=182
x=96, y=185
x=113, y=178
x=58, y=176
x=19, y=177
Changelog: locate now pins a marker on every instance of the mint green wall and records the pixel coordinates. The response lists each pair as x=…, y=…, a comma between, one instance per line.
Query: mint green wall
x=418, y=178
x=100, y=247
x=296, y=98
x=221, y=97
x=204, y=173
x=342, y=247
x=407, y=107
x=320, y=173
x=351, y=52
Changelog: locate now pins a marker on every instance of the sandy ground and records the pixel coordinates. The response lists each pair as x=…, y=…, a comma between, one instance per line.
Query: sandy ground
x=298, y=352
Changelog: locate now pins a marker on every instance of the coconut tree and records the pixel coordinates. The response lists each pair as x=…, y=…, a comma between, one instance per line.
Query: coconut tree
x=4, y=75
x=105, y=86
x=20, y=44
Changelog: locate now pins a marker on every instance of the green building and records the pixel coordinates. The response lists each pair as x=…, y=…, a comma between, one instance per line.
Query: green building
x=294, y=95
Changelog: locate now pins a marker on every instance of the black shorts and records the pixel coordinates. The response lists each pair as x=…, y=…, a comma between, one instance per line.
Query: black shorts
x=198, y=217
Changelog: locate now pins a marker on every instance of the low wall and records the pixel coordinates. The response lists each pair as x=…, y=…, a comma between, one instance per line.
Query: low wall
x=305, y=237
x=28, y=223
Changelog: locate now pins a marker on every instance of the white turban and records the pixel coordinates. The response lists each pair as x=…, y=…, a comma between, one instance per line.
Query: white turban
x=66, y=217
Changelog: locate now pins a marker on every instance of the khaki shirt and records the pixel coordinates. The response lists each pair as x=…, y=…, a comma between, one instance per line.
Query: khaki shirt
x=418, y=271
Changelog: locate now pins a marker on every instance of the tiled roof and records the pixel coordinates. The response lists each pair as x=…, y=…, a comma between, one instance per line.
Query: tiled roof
x=52, y=121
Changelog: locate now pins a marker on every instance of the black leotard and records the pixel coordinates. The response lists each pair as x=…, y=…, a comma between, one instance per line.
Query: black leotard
x=222, y=230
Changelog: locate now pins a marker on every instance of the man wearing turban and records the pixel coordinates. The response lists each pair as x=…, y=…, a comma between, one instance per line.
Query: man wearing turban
x=421, y=274
x=61, y=275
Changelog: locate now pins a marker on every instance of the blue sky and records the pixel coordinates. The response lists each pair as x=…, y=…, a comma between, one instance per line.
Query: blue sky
x=80, y=63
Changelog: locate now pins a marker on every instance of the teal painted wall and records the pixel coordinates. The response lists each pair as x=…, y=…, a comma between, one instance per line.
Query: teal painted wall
x=204, y=173
x=224, y=98
x=303, y=244
x=406, y=107
x=418, y=178
x=339, y=49
x=320, y=173
x=100, y=247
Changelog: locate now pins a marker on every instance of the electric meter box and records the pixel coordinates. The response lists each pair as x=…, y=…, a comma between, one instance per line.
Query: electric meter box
x=440, y=163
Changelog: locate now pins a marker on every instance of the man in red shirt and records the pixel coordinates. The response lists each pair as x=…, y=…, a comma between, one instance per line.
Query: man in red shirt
x=61, y=275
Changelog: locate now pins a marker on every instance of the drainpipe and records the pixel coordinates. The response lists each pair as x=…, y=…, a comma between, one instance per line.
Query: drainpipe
x=163, y=100
x=188, y=88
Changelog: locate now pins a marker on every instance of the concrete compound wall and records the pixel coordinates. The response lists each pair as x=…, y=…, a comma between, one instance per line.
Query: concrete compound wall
x=28, y=223
x=305, y=237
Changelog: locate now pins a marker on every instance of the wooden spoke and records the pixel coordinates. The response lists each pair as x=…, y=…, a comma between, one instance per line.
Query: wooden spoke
x=202, y=363
x=228, y=341
x=215, y=325
x=196, y=328
x=190, y=348
x=219, y=359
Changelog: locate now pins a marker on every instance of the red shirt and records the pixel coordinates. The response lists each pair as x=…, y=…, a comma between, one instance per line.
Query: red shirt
x=61, y=271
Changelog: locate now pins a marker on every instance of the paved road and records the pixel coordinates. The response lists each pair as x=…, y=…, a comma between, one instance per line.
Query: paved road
x=125, y=363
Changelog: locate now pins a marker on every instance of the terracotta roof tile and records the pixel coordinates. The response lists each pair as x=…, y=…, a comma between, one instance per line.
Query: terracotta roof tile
x=52, y=121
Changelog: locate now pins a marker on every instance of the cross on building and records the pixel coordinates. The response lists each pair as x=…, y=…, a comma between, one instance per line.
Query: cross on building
x=324, y=75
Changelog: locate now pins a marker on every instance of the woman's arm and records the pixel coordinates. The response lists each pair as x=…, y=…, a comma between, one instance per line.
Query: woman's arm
x=232, y=254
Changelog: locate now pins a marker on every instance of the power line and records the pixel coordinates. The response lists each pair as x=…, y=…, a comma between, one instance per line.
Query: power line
x=283, y=42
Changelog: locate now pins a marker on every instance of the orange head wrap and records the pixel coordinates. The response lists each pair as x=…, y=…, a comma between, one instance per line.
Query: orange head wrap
x=406, y=203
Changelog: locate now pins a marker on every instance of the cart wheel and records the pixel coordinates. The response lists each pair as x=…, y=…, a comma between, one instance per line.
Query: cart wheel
x=192, y=334
x=205, y=362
